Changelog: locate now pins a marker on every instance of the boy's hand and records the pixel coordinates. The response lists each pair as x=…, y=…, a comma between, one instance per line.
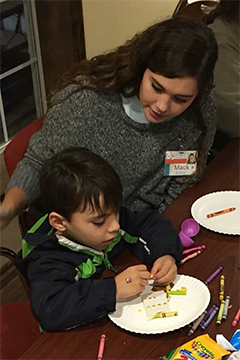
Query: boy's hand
x=131, y=281
x=164, y=270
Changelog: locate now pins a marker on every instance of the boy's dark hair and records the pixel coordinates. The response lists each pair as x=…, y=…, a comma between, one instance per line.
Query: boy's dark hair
x=75, y=177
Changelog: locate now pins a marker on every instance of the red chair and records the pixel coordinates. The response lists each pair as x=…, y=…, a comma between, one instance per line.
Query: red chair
x=17, y=147
x=11, y=255
x=19, y=330
x=12, y=155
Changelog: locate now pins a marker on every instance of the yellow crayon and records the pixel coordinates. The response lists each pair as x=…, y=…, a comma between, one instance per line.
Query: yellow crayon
x=168, y=288
x=220, y=313
x=163, y=314
x=221, y=293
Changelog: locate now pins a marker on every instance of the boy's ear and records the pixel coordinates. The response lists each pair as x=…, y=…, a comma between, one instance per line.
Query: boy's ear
x=57, y=221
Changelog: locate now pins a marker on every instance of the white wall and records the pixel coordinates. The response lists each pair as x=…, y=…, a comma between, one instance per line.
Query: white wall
x=108, y=23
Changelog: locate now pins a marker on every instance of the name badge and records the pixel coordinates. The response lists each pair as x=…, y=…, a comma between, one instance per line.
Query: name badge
x=180, y=163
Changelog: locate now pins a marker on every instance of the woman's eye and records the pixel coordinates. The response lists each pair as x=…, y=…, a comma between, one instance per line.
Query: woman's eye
x=180, y=100
x=157, y=89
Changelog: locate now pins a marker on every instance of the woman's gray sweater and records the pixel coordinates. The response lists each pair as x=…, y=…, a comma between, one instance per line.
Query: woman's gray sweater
x=136, y=151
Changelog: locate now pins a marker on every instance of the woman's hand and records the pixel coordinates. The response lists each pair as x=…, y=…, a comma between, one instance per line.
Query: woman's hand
x=164, y=270
x=5, y=216
x=131, y=281
x=13, y=203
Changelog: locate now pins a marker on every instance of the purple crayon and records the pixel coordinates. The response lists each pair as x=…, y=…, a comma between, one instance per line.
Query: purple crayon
x=206, y=323
x=213, y=275
x=206, y=317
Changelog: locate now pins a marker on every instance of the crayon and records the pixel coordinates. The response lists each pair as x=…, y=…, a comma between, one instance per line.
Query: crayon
x=190, y=257
x=163, y=314
x=225, y=310
x=222, y=282
x=220, y=313
x=236, y=318
x=213, y=275
x=188, y=251
x=208, y=314
x=168, y=288
x=196, y=323
x=101, y=347
x=178, y=292
x=221, y=212
x=206, y=323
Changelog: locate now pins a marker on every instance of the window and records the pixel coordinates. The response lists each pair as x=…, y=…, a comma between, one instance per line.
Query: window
x=22, y=93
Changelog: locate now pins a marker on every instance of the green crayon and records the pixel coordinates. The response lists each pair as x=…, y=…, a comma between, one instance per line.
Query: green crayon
x=225, y=309
x=178, y=292
x=220, y=313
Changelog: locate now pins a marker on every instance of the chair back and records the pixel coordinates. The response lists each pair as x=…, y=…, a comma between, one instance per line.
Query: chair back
x=195, y=10
x=17, y=147
x=13, y=153
x=11, y=255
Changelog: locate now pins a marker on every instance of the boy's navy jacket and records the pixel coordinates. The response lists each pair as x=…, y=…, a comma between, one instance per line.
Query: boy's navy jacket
x=63, y=275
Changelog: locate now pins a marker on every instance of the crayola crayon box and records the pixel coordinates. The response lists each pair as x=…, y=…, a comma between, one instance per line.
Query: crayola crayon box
x=202, y=347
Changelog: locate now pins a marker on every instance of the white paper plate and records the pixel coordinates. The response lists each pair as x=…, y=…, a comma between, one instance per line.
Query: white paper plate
x=131, y=315
x=228, y=223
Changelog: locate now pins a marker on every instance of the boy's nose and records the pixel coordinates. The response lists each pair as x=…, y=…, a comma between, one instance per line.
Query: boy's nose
x=114, y=226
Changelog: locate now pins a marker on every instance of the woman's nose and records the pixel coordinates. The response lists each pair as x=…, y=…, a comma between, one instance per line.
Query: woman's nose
x=163, y=103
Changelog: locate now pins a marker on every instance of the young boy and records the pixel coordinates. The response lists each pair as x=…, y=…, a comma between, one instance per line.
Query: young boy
x=85, y=230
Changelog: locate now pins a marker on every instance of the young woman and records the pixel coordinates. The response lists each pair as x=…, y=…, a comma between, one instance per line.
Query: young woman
x=131, y=106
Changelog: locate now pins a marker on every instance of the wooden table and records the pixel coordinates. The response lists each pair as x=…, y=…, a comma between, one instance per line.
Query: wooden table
x=221, y=250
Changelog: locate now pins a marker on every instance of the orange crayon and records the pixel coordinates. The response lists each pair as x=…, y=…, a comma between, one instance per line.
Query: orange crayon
x=221, y=212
